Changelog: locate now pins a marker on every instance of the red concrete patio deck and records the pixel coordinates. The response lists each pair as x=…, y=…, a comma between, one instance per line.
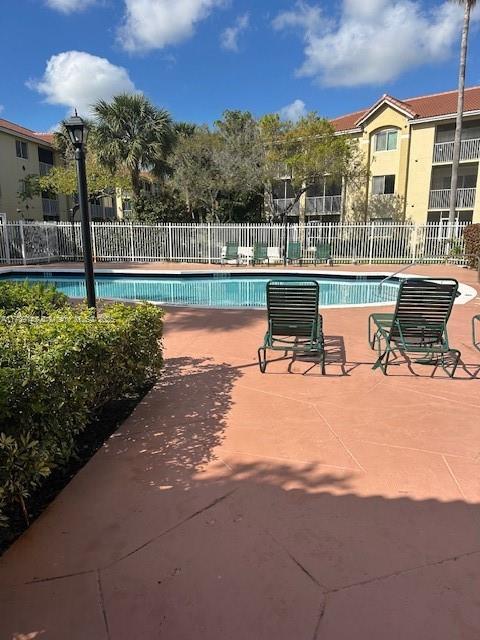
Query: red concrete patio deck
x=240, y=506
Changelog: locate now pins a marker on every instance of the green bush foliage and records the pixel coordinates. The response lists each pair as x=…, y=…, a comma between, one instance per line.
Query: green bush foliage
x=32, y=299
x=472, y=244
x=55, y=372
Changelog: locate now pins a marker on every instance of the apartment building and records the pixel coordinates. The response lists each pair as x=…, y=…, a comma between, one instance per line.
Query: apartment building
x=24, y=152
x=408, y=148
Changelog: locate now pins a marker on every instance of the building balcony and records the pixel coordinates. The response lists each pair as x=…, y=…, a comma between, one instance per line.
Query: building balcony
x=45, y=168
x=50, y=207
x=440, y=199
x=469, y=150
x=323, y=204
x=280, y=205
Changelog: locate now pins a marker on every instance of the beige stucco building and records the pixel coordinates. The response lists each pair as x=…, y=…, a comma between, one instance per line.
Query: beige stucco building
x=408, y=148
x=24, y=152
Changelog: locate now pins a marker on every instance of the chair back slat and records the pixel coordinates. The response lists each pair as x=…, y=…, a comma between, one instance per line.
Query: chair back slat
x=231, y=251
x=294, y=251
x=260, y=251
x=423, y=309
x=322, y=251
x=292, y=307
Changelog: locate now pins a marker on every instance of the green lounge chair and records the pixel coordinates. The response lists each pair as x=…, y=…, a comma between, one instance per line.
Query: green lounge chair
x=260, y=253
x=294, y=252
x=231, y=252
x=418, y=324
x=476, y=339
x=323, y=253
x=294, y=323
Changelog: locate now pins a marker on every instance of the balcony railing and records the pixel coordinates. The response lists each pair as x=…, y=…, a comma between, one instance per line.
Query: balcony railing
x=321, y=204
x=469, y=150
x=282, y=204
x=49, y=206
x=440, y=198
x=45, y=167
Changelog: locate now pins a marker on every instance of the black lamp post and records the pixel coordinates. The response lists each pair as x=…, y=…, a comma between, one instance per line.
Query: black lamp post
x=78, y=132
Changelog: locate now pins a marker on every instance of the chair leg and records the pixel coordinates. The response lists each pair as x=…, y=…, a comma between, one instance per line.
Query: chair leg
x=457, y=355
x=262, y=361
x=322, y=362
x=380, y=363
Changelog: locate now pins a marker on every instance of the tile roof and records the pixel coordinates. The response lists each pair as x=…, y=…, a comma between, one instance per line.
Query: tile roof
x=431, y=106
x=45, y=138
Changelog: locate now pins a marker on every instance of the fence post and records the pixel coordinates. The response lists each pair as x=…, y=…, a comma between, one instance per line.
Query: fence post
x=94, y=243
x=6, y=240
x=22, y=240
x=370, y=248
x=415, y=242
x=170, y=252
x=209, y=240
x=132, y=245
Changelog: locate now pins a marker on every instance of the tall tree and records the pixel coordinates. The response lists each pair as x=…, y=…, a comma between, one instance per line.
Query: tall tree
x=132, y=132
x=305, y=151
x=468, y=5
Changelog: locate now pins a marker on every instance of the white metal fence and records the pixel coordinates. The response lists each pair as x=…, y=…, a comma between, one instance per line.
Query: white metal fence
x=28, y=243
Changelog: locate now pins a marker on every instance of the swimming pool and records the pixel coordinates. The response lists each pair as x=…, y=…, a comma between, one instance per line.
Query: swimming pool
x=224, y=290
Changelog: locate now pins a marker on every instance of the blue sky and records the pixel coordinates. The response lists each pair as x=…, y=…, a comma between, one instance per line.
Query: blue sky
x=199, y=57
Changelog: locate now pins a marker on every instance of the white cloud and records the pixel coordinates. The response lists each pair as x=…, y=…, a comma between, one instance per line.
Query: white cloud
x=229, y=37
x=293, y=111
x=373, y=41
x=77, y=79
x=69, y=6
x=154, y=24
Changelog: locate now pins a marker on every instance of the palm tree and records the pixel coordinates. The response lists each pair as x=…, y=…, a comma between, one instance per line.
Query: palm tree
x=468, y=5
x=132, y=132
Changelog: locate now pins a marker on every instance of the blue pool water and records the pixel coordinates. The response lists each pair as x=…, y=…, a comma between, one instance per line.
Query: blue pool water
x=218, y=291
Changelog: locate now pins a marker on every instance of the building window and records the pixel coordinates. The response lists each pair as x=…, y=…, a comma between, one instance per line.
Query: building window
x=386, y=140
x=383, y=185
x=462, y=217
x=22, y=149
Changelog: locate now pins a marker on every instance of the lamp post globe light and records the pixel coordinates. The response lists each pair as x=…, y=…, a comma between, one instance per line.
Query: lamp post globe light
x=78, y=132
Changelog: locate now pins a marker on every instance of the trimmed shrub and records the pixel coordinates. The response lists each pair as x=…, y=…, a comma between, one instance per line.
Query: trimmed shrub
x=32, y=299
x=472, y=244
x=55, y=372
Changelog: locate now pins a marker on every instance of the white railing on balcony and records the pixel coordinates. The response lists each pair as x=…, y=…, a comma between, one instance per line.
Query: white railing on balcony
x=45, y=167
x=323, y=204
x=440, y=198
x=469, y=150
x=50, y=206
x=282, y=204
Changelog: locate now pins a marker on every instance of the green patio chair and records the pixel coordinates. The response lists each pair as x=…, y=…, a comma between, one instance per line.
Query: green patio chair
x=418, y=324
x=323, y=253
x=260, y=252
x=231, y=252
x=294, y=252
x=476, y=338
x=294, y=323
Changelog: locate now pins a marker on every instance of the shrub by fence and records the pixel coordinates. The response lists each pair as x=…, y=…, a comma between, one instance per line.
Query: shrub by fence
x=472, y=244
x=55, y=372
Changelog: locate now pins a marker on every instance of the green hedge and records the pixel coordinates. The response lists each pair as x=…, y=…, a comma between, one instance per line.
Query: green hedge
x=55, y=372
x=33, y=299
x=472, y=244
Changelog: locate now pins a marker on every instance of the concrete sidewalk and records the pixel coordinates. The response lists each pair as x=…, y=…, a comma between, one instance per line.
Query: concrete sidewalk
x=238, y=506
